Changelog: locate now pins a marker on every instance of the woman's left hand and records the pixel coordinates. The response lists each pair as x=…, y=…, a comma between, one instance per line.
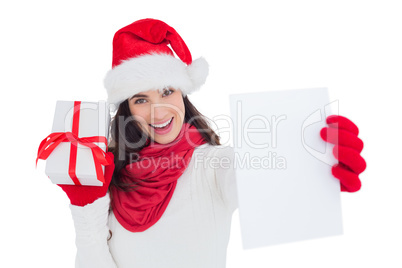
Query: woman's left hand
x=343, y=133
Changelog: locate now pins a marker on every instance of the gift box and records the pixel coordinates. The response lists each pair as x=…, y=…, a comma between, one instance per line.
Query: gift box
x=75, y=151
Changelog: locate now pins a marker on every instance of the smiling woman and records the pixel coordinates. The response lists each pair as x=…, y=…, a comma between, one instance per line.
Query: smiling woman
x=131, y=127
x=161, y=114
x=161, y=209
x=164, y=201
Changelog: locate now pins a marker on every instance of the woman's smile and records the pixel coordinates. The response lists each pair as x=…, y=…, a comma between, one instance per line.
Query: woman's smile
x=164, y=128
x=161, y=124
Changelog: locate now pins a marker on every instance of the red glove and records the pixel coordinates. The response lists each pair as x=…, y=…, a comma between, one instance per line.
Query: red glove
x=83, y=195
x=343, y=133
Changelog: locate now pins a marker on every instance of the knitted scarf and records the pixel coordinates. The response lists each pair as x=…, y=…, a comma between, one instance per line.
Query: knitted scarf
x=155, y=172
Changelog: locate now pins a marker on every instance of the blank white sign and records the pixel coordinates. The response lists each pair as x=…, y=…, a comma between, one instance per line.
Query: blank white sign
x=285, y=187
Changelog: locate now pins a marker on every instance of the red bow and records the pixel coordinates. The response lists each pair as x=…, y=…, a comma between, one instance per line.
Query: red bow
x=100, y=157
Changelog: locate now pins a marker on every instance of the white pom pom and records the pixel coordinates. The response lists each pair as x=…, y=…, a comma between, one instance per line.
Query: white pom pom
x=198, y=72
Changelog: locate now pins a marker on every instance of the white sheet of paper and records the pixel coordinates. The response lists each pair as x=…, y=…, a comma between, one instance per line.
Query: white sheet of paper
x=286, y=191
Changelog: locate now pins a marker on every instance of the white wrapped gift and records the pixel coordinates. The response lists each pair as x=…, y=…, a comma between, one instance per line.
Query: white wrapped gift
x=93, y=120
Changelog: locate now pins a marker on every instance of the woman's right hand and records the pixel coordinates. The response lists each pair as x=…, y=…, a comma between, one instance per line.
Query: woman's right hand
x=83, y=195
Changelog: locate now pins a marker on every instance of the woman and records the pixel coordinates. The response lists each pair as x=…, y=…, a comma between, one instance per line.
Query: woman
x=166, y=202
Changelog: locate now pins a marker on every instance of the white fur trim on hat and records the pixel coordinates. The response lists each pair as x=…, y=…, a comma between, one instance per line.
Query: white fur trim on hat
x=151, y=72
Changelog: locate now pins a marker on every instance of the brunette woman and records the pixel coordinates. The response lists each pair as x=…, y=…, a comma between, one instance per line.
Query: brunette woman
x=169, y=197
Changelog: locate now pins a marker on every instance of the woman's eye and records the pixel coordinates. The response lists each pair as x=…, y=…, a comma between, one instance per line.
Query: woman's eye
x=168, y=91
x=139, y=101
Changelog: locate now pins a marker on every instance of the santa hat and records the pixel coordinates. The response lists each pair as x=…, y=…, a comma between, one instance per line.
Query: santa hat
x=142, y=60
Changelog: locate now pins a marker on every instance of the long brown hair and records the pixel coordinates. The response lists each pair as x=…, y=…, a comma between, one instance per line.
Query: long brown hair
x=127, y=138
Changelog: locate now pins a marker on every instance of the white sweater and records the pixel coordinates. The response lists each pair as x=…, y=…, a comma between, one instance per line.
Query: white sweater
x=192, y=232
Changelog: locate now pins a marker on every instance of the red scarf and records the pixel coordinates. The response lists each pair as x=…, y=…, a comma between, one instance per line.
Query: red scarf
x=155, y=172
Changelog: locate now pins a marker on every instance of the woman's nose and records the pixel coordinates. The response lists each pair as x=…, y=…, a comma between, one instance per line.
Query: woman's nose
x=159, y=112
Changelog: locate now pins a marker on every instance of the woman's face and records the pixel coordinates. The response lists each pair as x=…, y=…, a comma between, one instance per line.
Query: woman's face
x=161, y=114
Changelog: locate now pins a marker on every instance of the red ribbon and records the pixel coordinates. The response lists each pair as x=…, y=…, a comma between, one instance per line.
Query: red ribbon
x=50, y=143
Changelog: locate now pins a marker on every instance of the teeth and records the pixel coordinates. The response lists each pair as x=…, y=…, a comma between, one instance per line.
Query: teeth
x=162, y=125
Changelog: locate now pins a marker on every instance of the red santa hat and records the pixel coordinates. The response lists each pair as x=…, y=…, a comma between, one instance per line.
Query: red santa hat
x=143, y=60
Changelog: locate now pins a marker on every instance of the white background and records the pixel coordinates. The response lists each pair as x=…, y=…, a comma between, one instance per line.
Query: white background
x=52, y=51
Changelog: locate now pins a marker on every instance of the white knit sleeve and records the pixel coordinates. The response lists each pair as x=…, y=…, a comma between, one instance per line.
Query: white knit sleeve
x=226, y=176
x=92, y=231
